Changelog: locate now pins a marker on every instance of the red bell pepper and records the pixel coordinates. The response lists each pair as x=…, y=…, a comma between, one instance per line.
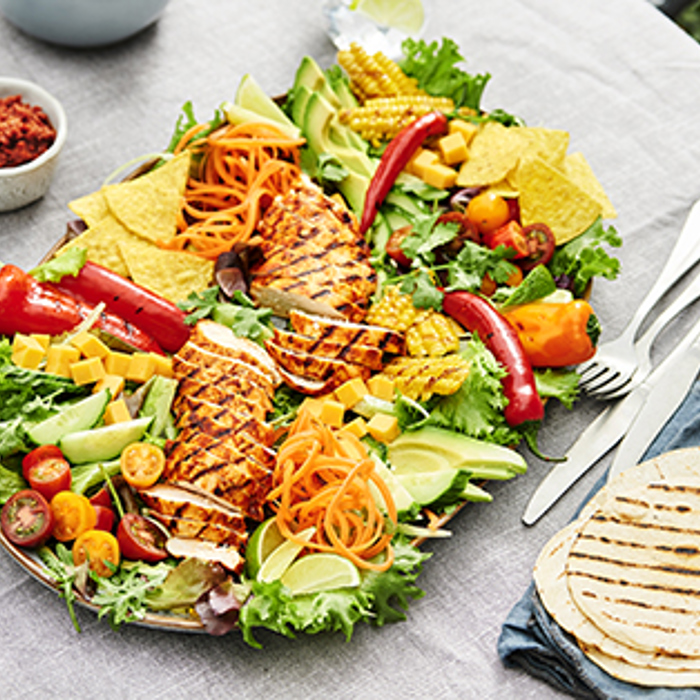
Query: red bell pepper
x=158, y=317
x=394, y=160
x=28, y=306
x=478, y=315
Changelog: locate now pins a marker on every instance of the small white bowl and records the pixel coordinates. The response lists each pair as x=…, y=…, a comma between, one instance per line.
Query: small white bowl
x=28, y=182
x=82, y=23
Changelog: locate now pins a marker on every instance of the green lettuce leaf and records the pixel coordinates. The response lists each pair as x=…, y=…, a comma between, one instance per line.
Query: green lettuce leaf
x=70, y=262
x=562, y=385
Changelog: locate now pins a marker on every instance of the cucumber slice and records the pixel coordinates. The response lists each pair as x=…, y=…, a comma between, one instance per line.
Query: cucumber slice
x=78, y=416
x=158, y=403
x=438, y=489
x=103, y=443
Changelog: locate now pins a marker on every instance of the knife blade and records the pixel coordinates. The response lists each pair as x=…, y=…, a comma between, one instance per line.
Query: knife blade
x=601, y=435
x=671, y=386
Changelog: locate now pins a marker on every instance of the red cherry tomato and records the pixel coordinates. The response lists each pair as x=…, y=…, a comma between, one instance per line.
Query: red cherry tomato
x=540, y=244
x=39, y=454
x=488, y=211
x=140, y=539
x=49, y=475
x=102, y=498
x=393, y=246
x=511, y=236
x=105, y=518
x=26, y=519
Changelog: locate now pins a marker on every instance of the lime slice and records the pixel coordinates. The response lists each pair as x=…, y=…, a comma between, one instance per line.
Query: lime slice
x=281, y=557
x=320, y=572
x=251, y=97
x=406, y=15
x=262, y=543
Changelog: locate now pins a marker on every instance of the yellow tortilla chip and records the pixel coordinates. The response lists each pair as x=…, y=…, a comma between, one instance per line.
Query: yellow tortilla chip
x=577, y=169
x=170, y=273
x=548, y=196
x=548, y=144
x=102, y=242
x=91, y=208
x=149, y=205
x=493, y=153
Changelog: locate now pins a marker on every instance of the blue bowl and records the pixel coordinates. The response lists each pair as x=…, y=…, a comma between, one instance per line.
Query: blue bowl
x=82, y=23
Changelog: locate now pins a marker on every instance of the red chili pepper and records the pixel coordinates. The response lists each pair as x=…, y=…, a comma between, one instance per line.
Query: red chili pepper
x=394, y=160
x=27, y=306
x=158, y=317
x=477, y=315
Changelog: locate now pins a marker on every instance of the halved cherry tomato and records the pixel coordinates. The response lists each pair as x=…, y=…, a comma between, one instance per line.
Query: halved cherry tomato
x=142, y=463
x=393, y=246
x=488, y=211
x=47, y=471
x=26, y=518
x=97, y=547
x=511, y=236
x=140, y=539
x=105, y=518
x=102, y=498
x=540, y=244
x=73, y=514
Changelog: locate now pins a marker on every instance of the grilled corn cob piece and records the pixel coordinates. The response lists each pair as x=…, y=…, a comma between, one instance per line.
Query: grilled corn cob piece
x=432, y=334
x=382, y=118
x=421, y=377
x=394, y=310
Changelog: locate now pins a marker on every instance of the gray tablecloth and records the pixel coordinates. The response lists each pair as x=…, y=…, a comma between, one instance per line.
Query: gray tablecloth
x=618, y=75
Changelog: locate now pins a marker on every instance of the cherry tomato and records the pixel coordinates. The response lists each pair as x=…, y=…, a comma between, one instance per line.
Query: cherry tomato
x=488, y=286
x=488, y=211
x=39, y=454
x=102, y=498
x=26, y=519
x=393, y=246
x=540, y=244
x=511, y=236
x=140, y=539
x=73, y=514
x=48, y=475
x=105, y=518
x=142, y=464
x=97, y=547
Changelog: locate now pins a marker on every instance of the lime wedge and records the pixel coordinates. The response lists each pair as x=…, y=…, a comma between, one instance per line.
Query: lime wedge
x=281, y=557
x=251, y=97
x=320, y=572
x=406, y=15
x=262, y=543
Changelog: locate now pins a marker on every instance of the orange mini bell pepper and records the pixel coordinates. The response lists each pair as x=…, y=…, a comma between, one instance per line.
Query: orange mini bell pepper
x=556, y=335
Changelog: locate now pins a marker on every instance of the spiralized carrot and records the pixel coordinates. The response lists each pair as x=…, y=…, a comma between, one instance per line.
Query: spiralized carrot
x=322, y=480
x=241, y=169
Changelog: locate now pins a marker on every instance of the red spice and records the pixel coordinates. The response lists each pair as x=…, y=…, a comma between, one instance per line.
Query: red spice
x=25, y=132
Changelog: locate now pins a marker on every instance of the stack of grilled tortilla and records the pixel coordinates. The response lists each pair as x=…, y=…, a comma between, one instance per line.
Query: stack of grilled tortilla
x=624, y=577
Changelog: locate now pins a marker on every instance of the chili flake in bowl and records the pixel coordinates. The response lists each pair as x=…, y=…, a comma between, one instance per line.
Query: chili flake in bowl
x=32, y=134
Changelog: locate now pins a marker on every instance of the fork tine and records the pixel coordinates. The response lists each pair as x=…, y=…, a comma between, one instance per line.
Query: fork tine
x=587, y=366
x=601, y=382
x=613, y=390
x=595, y=378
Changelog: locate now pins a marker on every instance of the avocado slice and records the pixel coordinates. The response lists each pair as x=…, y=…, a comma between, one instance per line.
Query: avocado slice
x=310, y=75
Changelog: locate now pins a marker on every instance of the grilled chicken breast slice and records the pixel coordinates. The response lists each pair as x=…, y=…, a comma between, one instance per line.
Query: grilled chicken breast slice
x=201, y=529
x=220, y=372
x=195, y=410
x=227, y=391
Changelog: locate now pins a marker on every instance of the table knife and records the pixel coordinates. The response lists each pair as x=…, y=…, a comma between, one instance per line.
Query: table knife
x=670, y=388
x=595, y=441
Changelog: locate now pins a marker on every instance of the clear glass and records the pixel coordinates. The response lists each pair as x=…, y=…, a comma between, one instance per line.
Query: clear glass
x=345, y=26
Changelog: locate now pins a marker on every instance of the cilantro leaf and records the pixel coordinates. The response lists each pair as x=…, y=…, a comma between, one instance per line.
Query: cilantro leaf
x=474, y=261
x=325, y=168
x=427, y=235
x=420, y=285
x=200, y=305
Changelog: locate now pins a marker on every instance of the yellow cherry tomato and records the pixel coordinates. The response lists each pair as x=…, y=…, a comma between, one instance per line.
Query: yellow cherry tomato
x=73, y=515
x=142, y=463
x=97, y=547
x=488, y=211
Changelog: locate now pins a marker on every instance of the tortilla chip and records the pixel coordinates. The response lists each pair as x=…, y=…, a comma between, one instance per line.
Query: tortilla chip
x=504, y=188
x=170, y=273
x=548, y=196
x=493, y=153
x=548, y=144
x=91, y=208
x=149, y=205
x=103, y=241
x=577, y=169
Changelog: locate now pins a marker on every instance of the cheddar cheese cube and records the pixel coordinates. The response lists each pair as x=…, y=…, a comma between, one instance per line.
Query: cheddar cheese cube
x=117, y=362
x=113, y=382
x=351, y=392
x=461, y=126
x=26, y=352
x=383, y=427
x=453, y=148
x=356, y=427
x=87, y=371
x=332, y=413
x=59, y=358
x=116, y=412
x=424, y=159
x=90, y=345
x=311, y=404
x=43, y=339
x=438, y=175
x=382, y=387
x=163, y=365
x=142, y=367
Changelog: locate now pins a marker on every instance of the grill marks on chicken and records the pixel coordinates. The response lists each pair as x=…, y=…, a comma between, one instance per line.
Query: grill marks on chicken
x=313, y=257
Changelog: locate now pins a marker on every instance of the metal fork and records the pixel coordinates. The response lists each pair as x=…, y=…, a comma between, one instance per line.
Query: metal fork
x=626, y=381
x=617, y=358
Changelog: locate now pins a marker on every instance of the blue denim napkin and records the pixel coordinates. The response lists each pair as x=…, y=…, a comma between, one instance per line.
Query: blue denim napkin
x=532, y=640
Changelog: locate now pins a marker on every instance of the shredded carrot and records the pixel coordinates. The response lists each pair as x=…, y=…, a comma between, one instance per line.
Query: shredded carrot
x=240, y=171
x=323, y=481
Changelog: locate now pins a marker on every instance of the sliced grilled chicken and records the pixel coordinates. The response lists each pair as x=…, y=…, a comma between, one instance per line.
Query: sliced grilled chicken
x=346, y=332
x=311, y=387
x=218, y=371
x=183, y=502
x=355, y=353
x=227, y=391
x=197, y=411
x=259, y=430
x=201, y=529
x=182, y=548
